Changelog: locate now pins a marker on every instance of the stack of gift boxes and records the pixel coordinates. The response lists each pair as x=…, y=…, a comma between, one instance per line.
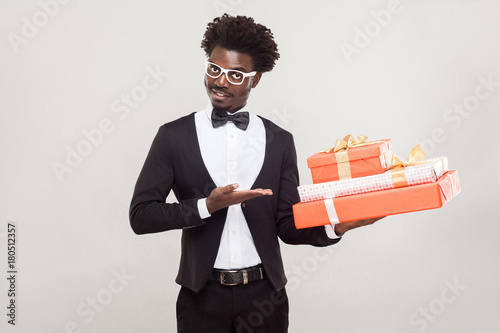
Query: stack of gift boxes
x=360, y=179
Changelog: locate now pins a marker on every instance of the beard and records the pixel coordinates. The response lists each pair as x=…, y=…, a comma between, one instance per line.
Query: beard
x=226, y=109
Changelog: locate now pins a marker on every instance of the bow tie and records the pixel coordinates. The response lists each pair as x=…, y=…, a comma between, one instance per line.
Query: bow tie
x=239, y=119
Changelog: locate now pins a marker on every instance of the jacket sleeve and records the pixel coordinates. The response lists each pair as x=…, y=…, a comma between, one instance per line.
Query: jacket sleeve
x=288, y=196
x=149, y=213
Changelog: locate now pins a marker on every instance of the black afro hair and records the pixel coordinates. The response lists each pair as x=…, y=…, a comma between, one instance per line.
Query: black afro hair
x=243, y=35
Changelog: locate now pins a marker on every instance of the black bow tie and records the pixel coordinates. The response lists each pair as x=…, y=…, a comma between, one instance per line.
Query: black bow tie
x=239, y=119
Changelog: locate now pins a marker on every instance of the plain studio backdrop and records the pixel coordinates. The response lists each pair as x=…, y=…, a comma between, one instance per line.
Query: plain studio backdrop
x=84, y=86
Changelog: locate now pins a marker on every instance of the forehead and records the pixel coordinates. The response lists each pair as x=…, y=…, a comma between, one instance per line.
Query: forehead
x=231, y=59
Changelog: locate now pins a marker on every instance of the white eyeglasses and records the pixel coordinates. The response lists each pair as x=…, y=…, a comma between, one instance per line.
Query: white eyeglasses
x=233, y=76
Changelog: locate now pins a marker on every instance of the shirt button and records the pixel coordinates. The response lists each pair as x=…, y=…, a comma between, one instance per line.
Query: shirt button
x=233, y=209
x=235, y=257
x=232, y=136
x=234, y=233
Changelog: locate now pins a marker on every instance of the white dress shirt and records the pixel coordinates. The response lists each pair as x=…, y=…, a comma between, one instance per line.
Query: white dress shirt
x=232, y=156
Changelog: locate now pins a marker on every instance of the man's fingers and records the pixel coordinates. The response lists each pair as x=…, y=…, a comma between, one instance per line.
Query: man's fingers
x=258, y=192
x=375, y=219
x=262, y=191
x=227, y=196
x=229, y=188
x=370, y=221
x=266, y=192
x=237, y=197
x=249, y=194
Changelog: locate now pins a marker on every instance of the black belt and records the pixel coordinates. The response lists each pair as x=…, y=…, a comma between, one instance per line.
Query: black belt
x=239, y=276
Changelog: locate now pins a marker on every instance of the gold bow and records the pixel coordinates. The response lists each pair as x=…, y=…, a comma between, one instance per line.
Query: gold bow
x=346, y=143
x=340, y=151
x=416, y=155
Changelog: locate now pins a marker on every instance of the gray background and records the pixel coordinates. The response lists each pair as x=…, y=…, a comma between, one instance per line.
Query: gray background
x=73, y=231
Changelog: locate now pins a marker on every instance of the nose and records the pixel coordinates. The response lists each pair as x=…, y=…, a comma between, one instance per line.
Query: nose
x=222, y=81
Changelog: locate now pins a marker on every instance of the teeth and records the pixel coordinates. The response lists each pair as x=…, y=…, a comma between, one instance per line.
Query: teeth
x=218, y=93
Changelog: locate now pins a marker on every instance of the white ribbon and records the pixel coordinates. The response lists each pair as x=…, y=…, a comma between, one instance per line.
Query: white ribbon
x=331, y=211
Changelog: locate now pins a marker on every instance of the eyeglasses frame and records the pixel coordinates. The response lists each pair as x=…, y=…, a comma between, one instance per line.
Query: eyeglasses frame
x=226, y=71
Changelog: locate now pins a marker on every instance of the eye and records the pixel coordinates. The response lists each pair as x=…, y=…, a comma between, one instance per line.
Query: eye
x=214, y=69
x=236, y=75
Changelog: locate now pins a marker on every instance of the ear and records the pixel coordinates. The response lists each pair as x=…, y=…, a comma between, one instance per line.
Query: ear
x=256, y=79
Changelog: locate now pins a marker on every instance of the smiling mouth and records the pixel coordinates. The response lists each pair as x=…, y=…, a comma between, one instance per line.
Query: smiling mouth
x=220, y=93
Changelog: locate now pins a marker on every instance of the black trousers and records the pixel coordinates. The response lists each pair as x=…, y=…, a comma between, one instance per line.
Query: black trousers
x=251, y=308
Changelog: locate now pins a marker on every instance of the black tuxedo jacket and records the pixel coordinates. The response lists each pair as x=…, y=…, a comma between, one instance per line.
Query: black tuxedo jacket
x=174, y=163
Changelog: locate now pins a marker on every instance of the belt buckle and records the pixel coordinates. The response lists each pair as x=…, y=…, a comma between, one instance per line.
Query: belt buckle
x=223, y=282
x=245, y=276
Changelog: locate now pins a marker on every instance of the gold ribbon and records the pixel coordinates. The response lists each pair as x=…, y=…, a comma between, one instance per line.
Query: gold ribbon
x=340, y=151
x=415, y=157
x=343, y=165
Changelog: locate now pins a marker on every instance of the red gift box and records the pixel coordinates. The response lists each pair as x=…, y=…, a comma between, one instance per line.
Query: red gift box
x=376, y=204
x=368, y=159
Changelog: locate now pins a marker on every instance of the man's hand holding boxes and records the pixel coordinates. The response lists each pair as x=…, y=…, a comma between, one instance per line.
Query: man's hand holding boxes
x=360, y=179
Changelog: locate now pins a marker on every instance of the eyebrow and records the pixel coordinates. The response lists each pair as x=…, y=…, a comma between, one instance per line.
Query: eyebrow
x=241, y=69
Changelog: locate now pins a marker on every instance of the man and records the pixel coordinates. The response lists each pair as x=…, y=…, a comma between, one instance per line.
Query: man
x=235, y=177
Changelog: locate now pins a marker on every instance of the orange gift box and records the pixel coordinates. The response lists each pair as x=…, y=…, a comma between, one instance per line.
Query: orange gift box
x=358, y=161
x=381, y=203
